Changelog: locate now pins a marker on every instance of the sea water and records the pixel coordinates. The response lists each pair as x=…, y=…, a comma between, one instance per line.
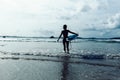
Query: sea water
x=46, y=46
x=44, y=59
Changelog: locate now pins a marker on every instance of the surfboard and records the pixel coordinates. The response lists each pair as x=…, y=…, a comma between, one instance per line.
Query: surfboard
x=72, y=37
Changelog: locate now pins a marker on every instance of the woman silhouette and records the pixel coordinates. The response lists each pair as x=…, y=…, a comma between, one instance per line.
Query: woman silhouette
x=65, y=32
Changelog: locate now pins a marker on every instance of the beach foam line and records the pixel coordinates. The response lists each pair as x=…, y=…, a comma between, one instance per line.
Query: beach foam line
x=60, y=55
x=56, y=60
x=90, y=56
x=80, y=56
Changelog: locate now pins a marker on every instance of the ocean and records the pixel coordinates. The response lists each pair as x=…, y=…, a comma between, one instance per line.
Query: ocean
x=33, y=58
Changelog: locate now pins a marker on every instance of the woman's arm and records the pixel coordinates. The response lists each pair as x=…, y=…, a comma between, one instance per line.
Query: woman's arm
x=72, y=32
x=59, y=36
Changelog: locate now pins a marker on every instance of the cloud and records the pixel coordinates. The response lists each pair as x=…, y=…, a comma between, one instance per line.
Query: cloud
x=110, y=27
x=92, y=29
x=44, y=32
x=47, y=16
x=78, y=8
x=86, y=8
x=114, y=22
x=49, y=9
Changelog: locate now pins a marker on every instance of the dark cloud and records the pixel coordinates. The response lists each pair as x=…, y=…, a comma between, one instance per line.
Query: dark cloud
x=65, y=18
x=91, y=29
x=86, y=8
x=47, y=32
x=117, y=26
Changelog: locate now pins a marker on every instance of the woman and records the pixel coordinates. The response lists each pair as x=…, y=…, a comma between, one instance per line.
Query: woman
x=65, y=32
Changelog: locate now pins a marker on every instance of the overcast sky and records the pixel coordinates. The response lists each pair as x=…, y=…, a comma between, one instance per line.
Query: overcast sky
x=89, y=18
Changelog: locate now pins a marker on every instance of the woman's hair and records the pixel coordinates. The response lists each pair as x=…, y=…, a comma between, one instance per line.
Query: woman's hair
x=64, y=26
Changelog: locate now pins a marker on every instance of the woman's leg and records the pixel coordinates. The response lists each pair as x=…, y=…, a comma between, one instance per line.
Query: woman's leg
x=64, y=46
x=67, y=44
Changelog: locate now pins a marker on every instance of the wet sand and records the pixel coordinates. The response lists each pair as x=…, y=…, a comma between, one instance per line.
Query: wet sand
x=64, y=68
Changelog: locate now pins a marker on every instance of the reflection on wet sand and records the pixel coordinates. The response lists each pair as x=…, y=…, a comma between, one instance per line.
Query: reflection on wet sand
x=65, y=69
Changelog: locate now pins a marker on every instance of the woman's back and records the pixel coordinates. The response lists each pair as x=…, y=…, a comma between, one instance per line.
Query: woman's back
x=65, y=33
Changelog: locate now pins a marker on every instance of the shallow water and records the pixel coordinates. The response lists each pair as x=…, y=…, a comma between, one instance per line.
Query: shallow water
x=44, y=59
x=77, y=49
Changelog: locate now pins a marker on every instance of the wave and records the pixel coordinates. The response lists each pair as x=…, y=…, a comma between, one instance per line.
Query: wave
x=70, y=55
x=54, y=40
x=63, y=58
x=109, y=41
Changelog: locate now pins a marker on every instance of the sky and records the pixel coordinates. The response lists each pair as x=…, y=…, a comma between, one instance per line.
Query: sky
x=88, y=18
